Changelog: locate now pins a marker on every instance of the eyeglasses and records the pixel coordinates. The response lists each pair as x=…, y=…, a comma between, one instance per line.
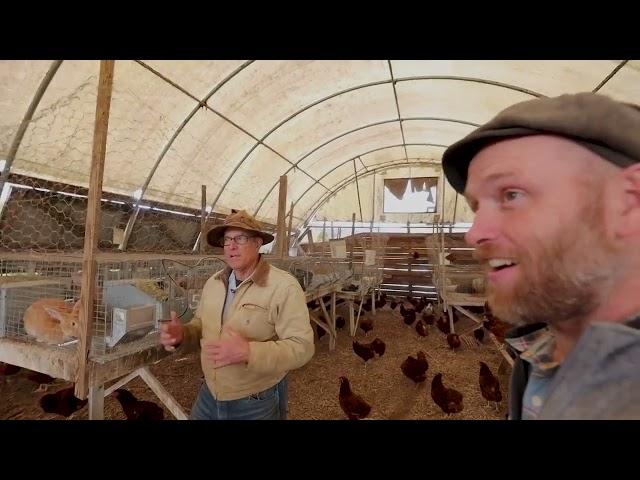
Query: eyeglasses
x=238, y=239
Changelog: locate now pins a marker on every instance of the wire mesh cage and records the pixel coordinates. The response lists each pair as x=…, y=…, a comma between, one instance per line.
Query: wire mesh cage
x=39, y=300
x=370, y=273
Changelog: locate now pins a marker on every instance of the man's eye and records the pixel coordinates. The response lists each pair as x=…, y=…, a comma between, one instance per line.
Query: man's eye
x=510, y=195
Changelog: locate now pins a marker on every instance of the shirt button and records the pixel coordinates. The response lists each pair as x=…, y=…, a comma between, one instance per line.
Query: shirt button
x=536, y=401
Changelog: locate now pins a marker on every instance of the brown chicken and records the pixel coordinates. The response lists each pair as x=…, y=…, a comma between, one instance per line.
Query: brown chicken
x=364, y=350
x=366, y=324
x=393, y=305
x=421, y=305
x=340, y=322
x=63, y=402
x=40, y=378
x=479, y=334
x=415, y=255
x=442, y=323
x=497, y=327
x=428, y=318
x=453, y=340
x=321, y=332
x=415, y=368
x=136, y=409
x=448, y=399
x=7, y=369
x=421, y=328
x=412, y=301
x=408, y=315
x=489, y=385
x=379, y=346
x=352, y=405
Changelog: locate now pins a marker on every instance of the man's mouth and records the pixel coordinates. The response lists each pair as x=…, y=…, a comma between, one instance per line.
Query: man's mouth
x=500, y=264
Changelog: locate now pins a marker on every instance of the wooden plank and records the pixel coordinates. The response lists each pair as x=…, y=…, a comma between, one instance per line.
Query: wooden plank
x=203, y=219
x=96, y=403
x=282, y=211
x=92, y=225
x=165, y=397
x=102, y=372
x=120, y=383
x=289, y=228
x=51, y=360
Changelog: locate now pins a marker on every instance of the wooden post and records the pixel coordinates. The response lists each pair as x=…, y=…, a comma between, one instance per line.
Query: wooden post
x=353, y=238
x=310, y=241
x=203, y=219
x=281, y=229
x=408, y=227
x=289, y=228
x=92, y=225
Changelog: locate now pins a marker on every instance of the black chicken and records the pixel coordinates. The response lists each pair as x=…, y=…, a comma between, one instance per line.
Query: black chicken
x=63, y=402
x=135, y=409
x=415, y=368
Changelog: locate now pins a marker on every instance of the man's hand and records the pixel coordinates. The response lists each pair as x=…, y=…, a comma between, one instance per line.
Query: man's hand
x=171, y=332
x=234, y=349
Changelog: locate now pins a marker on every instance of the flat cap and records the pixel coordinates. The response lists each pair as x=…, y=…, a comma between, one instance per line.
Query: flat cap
x=609, y=128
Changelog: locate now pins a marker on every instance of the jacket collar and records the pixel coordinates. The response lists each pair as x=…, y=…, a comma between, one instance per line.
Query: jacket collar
x=259, y=276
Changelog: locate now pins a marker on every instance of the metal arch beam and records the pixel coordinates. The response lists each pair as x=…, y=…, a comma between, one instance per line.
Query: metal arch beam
x=22, y=129
x=610, y=76
x=374, y=124
x=395, y=95
x=134, y=215
x=364, y=153
x=359, y=87
x=351, y=179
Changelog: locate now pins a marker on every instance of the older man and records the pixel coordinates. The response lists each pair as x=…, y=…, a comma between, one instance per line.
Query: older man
x=252, y=325
x=555, y=187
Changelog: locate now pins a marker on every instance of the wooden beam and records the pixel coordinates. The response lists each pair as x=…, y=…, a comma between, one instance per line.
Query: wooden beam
x=282, y=211
x=92, y=228
x=203, y=219
x=289, y=228
x=164, y=396
x=102, y=372
x=352, y=240
x=51, y=360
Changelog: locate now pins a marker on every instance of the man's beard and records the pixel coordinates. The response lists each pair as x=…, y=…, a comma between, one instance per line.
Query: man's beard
x=566, y=279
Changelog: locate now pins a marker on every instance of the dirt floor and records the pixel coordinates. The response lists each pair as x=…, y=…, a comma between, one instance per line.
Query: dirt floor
x=313, y=389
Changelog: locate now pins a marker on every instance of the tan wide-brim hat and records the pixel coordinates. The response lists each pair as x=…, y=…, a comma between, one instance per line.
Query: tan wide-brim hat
x=605, y=126
x=240, y=219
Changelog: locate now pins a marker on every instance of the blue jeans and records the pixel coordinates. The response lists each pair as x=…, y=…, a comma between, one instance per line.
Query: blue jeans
x=270, y=404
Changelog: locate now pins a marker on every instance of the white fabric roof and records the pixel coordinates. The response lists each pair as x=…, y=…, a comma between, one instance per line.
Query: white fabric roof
x=236, y=126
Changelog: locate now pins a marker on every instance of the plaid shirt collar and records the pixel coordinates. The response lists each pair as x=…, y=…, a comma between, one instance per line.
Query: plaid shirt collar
x=536, y=348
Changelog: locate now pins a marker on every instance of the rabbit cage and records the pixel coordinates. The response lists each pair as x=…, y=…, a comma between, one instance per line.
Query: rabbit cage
x=131, y=298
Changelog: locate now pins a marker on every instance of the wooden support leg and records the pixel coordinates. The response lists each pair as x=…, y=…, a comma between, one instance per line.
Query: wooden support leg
x=164, y=396
x=352, y=320
x=96, y=403
x=373, y=301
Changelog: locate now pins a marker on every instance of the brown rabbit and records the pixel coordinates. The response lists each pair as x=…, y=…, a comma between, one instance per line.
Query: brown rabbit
x=52, y=320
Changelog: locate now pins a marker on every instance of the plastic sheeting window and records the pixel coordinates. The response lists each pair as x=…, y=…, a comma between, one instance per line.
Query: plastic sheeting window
x=410, y=195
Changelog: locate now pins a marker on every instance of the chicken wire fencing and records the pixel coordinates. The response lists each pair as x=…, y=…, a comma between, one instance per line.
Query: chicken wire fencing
x=37, y=300
x=370, y=273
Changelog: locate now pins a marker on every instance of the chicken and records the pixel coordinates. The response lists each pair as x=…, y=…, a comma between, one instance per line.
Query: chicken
x=321, y=332
x=350, y=288
x=352, y=405
x=7, y=369
x=453, y=340
x=379, y=346
x=312, y=304
x=497, y=327
x=340, y=322
x=381, y=303
x=421, y=305
x=412, y=301
x=428, y=318
x=443, y=324
x=40, y=378
x=394, y=304
x=489, y=385
x=479, y=334
x=136, y=409
x=448, y=399
x=415, y=255
x=408, y=315
x=63, y=402
x=366, y=324
x=367, y=351
x=415, y=368
x=421, y=328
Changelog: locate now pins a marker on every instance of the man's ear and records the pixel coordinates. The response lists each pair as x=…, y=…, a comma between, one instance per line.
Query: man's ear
x=628, y=211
